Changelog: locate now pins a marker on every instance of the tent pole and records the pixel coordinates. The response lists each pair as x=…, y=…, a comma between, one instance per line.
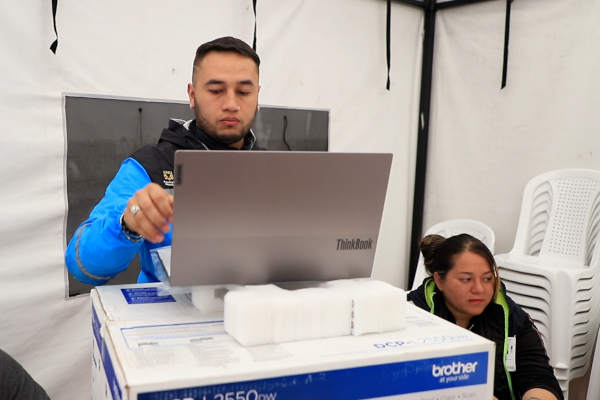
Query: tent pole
x=423, y=135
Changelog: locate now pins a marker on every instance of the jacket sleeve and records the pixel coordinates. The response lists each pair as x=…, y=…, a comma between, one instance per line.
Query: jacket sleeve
x=533, y=365
x=15, y=381
x=99, y=249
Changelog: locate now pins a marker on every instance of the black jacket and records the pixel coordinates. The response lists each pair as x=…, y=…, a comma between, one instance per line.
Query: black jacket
x=16, y=383
x=533, y=366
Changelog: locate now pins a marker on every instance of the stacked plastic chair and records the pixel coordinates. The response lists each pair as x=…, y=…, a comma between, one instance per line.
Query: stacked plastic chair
x=593, y=391
x=452, y=228
x=551, y=270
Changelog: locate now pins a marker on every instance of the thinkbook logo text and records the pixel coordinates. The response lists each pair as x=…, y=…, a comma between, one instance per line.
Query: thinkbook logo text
x=354, y=244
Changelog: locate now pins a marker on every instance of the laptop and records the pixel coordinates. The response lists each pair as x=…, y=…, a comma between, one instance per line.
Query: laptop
x=258, y=217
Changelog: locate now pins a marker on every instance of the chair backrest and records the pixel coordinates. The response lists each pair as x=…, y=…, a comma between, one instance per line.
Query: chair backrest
x=455, y=227
x=560, y=216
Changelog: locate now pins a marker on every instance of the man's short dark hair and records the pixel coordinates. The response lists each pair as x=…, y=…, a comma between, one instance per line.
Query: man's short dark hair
x=226, y=44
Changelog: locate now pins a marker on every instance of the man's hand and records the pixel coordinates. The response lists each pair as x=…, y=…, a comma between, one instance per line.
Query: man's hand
x=154, y=215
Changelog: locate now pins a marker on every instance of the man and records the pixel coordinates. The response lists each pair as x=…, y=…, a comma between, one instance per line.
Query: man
x=135, y=214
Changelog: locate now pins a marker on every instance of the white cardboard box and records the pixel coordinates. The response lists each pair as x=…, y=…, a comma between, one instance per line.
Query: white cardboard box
x=149, y=346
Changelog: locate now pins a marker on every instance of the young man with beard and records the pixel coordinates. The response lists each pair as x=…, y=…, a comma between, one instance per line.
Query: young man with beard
x=135, y=214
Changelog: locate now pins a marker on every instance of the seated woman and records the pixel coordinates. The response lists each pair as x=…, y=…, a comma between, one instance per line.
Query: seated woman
x=464, y=288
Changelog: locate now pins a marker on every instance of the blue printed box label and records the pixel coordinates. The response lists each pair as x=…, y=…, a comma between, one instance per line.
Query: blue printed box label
x=145, y=295
x=451, y=374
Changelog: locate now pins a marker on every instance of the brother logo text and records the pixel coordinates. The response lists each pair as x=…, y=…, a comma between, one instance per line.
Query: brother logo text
x=455, y=368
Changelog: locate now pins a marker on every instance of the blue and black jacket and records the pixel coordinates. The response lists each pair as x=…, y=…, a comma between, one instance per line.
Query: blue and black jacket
x=99, y=249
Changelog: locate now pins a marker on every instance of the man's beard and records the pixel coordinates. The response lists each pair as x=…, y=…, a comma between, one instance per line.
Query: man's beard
x=211, y=131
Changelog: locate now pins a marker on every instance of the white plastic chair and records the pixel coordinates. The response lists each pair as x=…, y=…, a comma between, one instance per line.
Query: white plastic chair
x=593, y=391
x=556, y=252
x=455, y=227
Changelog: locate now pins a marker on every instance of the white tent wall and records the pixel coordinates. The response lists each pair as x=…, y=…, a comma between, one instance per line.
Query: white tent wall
x=486, y=143
x=326, y=55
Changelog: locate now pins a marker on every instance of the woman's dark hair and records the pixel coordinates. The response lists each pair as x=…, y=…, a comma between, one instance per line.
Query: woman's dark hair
x=440, y=253
x=226, y=44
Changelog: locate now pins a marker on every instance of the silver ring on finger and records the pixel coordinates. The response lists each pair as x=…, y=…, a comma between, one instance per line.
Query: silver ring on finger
x=134, y=209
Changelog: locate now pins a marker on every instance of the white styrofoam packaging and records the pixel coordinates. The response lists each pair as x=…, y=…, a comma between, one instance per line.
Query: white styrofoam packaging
x=149, y=345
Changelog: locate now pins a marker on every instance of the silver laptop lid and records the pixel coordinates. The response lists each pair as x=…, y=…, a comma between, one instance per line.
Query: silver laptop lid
x=258, y=217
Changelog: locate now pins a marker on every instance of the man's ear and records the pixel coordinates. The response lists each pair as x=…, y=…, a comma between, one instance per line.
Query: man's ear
x=191, y=93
